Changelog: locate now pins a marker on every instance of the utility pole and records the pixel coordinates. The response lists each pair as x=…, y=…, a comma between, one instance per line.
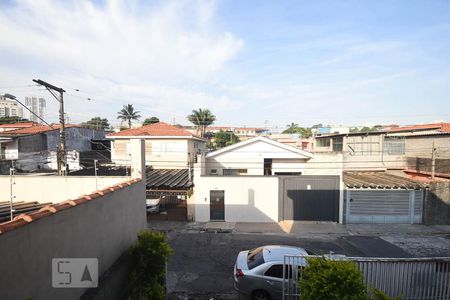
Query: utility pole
x=11, y=194
x=61, y=153
x=433, y=161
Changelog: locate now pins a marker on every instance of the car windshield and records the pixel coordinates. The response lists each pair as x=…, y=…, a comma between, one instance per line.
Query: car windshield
x=255, y=258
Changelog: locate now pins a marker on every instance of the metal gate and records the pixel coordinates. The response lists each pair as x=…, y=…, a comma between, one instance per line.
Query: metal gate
x=408, y=278
x=383, y=206
x=310, y=198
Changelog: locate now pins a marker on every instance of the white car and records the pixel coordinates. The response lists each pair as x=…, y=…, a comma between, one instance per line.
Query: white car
x=153, y=205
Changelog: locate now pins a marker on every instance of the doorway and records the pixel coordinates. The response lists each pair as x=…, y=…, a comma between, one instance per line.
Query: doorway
x=217, y=205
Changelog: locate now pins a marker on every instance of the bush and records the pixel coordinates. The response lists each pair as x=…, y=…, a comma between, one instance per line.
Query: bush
x=332, y=280
x=149, y=257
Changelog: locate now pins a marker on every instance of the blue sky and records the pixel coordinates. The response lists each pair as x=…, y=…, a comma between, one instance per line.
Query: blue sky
x=252, y=63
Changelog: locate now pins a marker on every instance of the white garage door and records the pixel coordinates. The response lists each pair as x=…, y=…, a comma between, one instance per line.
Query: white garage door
x=384, y=206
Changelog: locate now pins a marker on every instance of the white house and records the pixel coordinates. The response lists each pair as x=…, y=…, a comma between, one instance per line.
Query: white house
x=257, y=156
x=166, y=146
x=261, y=180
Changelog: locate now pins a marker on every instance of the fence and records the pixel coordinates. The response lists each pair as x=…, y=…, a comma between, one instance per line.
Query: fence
x=409, y=278
x=167, y=198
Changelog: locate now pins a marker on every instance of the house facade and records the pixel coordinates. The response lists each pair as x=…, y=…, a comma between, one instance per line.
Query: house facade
x=262, y=180
x=34, y=147
x=166, y=146
x=257, y=156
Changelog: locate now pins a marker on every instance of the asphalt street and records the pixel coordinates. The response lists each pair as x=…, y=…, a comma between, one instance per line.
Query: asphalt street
x=202, y=264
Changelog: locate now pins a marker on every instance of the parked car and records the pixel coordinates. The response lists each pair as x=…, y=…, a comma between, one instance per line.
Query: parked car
x=258, y=273
x=153, y=205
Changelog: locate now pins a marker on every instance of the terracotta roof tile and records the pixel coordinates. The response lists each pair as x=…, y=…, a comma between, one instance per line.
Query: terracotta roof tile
x=35, y=129
x=18, y=125
x=441, y=127
x=47, y=210
x=156, y=129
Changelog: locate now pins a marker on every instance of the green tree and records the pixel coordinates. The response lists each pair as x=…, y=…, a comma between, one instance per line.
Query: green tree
x=201, y=118
x=149, y=257
x=294, y=128
x=224, y=138
x=97, y=123
x=127, y=114
x=151, y=120
x=12, y=120
x=291, y=128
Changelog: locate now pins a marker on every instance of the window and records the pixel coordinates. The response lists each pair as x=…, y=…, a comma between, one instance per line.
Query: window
x=323, y=142
x=394, y=145
x=267, y=166
x=337, y=144
x=255, y=258
x=213, y=172
x=364, y=145
x=275, y=271
x=234, y=172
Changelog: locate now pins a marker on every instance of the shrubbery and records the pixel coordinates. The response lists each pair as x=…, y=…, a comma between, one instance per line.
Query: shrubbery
x=335, y=280
x=149, y=256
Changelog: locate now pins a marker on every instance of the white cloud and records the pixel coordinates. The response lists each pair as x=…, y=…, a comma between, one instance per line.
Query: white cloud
x=118, y=52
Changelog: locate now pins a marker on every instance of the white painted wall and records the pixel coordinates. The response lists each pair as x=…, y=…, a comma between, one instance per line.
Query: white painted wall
x=53, y=189
x=163, y=153
x=251, y=157
x=247, y=198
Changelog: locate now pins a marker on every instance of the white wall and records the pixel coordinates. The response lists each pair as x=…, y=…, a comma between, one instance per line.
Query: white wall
x=53, y=188
x=251, y=157
x=247, y=198
x=163, y=153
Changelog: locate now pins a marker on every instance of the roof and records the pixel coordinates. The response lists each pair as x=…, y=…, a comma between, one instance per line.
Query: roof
x=441, y=127
x=50, y=209
x=18, y=125
x=160, y=130
x=378, y=180
x=19, y=207
x=168, y=179
x=262, y=139
x=37, y=129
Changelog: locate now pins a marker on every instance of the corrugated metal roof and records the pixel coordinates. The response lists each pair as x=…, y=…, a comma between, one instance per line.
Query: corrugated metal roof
x=379, y=180
x=168, y=179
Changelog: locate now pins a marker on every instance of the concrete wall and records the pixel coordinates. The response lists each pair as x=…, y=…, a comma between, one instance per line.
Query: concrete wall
x=77, y=138
x=420, y=146
x=247, y=198
x=437, y=204
x=53, y=188
x=102, y=228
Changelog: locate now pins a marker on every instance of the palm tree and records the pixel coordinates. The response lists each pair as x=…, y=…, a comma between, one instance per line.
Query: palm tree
x=291, y=128
x=127, y=113
x=201, y=118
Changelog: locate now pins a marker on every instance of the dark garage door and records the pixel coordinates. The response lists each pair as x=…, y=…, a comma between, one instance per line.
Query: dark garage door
x=310, y=198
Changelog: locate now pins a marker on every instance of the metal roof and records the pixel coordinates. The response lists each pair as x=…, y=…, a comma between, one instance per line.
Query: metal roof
x=168, y=179
x=19, y=207
x=379, y=180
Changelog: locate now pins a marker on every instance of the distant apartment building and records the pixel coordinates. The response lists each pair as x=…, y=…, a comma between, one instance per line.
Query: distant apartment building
x=8, y=108
x=37, y=105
